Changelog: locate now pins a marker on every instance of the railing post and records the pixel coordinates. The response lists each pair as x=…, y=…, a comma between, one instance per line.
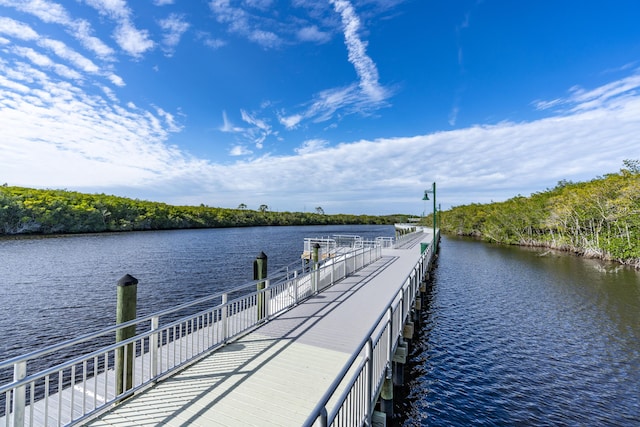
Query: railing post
x=260, y=273
x=19, y=394
x=223, y=317
x=296, y=282
x=370, y=397
x=125, y=311
x=333, y=269
x=267, y=299
x=315, y=273
x=153, y=346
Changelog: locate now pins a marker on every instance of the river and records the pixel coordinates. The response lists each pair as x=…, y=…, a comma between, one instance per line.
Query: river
x=510, y=336
x=515, y=336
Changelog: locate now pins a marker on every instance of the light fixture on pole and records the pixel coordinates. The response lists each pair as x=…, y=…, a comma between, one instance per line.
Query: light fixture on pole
x=426, y=197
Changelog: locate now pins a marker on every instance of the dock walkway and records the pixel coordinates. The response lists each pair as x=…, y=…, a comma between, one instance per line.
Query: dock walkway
x=277, y=374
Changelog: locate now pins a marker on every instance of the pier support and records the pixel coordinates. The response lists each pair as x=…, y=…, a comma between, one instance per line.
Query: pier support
x=260, y=273
x=386, y=396
x=399, y=360
x=407, y=332
x=127, y=295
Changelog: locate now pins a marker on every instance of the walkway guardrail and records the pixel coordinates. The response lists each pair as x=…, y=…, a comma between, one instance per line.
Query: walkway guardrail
x=84, y=384
x=363, y=374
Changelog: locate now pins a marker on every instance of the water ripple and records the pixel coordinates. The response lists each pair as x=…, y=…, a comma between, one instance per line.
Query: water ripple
x=510, y=338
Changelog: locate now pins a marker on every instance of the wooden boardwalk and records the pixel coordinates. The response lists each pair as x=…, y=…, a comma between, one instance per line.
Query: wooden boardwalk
x=277, y=374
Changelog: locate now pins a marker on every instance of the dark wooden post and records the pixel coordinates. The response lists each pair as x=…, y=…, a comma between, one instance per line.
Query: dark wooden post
x=260, y=273
x=125, y=311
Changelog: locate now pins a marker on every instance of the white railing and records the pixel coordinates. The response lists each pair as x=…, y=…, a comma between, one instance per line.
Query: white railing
x=362, y=376
x=84, y=384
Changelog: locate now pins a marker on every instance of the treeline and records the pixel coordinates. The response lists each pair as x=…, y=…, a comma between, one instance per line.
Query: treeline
x=599, y=218
x=33, y=211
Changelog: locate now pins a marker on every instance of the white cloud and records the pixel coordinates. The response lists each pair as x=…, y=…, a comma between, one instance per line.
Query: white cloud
x=116, y=80
x=133, y=41
x=64, y=52
x=51, y=12
x=259, y=131
x=17, y=29
x=311, y=146
x=453, y=115
x=362, y=97
x=44, y=61
x=239, y=150
x=290, y=122
x=364, y=65
x=213, y=43
x=475, y=164
x=51, y=124
x=162, y=2
x=580, y=99
x=227, y=126
x=313, y=34
x=174, y=27
x=265, y=38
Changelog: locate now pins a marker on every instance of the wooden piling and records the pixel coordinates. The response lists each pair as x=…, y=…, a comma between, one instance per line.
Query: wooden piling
x=127, y=294
x=260, y=273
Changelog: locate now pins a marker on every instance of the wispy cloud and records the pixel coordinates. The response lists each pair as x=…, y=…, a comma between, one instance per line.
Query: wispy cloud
x=210, y=41
x=16, y=29
x=312, y=146
x=243, y=23
x=363, y=64
x=259, y=130
x=362, y=97
x=453, y=115
x=77, y=63
x=239, y=150
x=227, y=126
x=133, y=41
x=113, y=145
x=580, y=99
x=256, y=133
x=51, y=12
x=174, y=26
x=313, y=34
x=99, y=137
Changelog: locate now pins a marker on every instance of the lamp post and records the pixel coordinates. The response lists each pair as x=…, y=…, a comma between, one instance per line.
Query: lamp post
x=426, y=197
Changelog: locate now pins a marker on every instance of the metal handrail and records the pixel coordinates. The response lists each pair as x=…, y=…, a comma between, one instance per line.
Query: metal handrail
x=320, y=410
x=228, y=315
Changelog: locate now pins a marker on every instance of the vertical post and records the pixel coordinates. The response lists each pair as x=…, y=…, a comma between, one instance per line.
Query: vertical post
x=223, y=319
x=316, y=258
x=125, y=311
x=260, y=273
x=435, y=241
x=153, y=346
x=19, y=394
x=370, y=397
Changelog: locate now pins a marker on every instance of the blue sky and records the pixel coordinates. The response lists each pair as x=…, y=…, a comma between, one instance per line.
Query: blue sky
x=356, y=106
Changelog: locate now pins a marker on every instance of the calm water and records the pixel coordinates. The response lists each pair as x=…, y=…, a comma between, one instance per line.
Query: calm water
x=526, y=337
x=55, y=288
x=511, y=336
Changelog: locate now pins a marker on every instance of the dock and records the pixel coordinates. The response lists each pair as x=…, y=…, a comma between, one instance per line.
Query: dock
x=325, y=351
